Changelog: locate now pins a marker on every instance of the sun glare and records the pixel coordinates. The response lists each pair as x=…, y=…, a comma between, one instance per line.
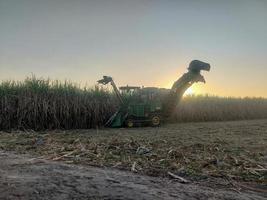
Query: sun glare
x=195, y=89
x=189, y=91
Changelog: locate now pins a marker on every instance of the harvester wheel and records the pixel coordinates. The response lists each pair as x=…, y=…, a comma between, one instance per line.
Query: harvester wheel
x=130, y=123
x=155, y=120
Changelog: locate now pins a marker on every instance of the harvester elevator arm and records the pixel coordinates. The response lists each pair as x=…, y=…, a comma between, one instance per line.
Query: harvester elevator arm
x=182, y=84
x=108, y=79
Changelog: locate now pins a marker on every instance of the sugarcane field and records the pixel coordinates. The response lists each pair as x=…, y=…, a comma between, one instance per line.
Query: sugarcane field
x=133, y=100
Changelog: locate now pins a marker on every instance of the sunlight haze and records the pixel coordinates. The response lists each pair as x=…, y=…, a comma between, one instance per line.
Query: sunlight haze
x=143, y=43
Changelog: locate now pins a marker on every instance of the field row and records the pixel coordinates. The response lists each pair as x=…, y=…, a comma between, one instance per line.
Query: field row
x=40, y=104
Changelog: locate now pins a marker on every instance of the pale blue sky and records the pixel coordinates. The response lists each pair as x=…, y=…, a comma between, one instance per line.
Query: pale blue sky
x=148, y=42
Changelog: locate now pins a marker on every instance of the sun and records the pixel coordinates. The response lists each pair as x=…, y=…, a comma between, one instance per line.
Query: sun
x=193, y=90
x=189, y=91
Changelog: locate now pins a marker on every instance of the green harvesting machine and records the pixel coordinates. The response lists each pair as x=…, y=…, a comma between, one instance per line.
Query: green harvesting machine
x=140, y=106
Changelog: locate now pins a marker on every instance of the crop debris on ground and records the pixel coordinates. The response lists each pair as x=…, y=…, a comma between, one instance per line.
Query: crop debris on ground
x=194, y=151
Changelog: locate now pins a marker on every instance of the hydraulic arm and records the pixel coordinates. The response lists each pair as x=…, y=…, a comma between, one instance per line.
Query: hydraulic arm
x=108, y=79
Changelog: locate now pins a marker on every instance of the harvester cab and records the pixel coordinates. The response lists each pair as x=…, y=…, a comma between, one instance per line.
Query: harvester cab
x=139, y=106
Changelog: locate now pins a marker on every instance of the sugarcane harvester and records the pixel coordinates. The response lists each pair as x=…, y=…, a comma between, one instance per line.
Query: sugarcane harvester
x=140, y=106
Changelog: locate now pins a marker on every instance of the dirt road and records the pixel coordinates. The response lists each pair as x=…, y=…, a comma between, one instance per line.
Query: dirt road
x=22, y=177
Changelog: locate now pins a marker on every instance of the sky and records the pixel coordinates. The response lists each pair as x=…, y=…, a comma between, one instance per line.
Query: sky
x=140, y=42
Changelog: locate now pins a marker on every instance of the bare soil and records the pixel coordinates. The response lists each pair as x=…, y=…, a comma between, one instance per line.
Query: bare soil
x=26, y=178
x=220, y=160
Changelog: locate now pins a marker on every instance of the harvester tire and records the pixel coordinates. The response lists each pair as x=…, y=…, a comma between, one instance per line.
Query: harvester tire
x=130, y=123
x=155, y=120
